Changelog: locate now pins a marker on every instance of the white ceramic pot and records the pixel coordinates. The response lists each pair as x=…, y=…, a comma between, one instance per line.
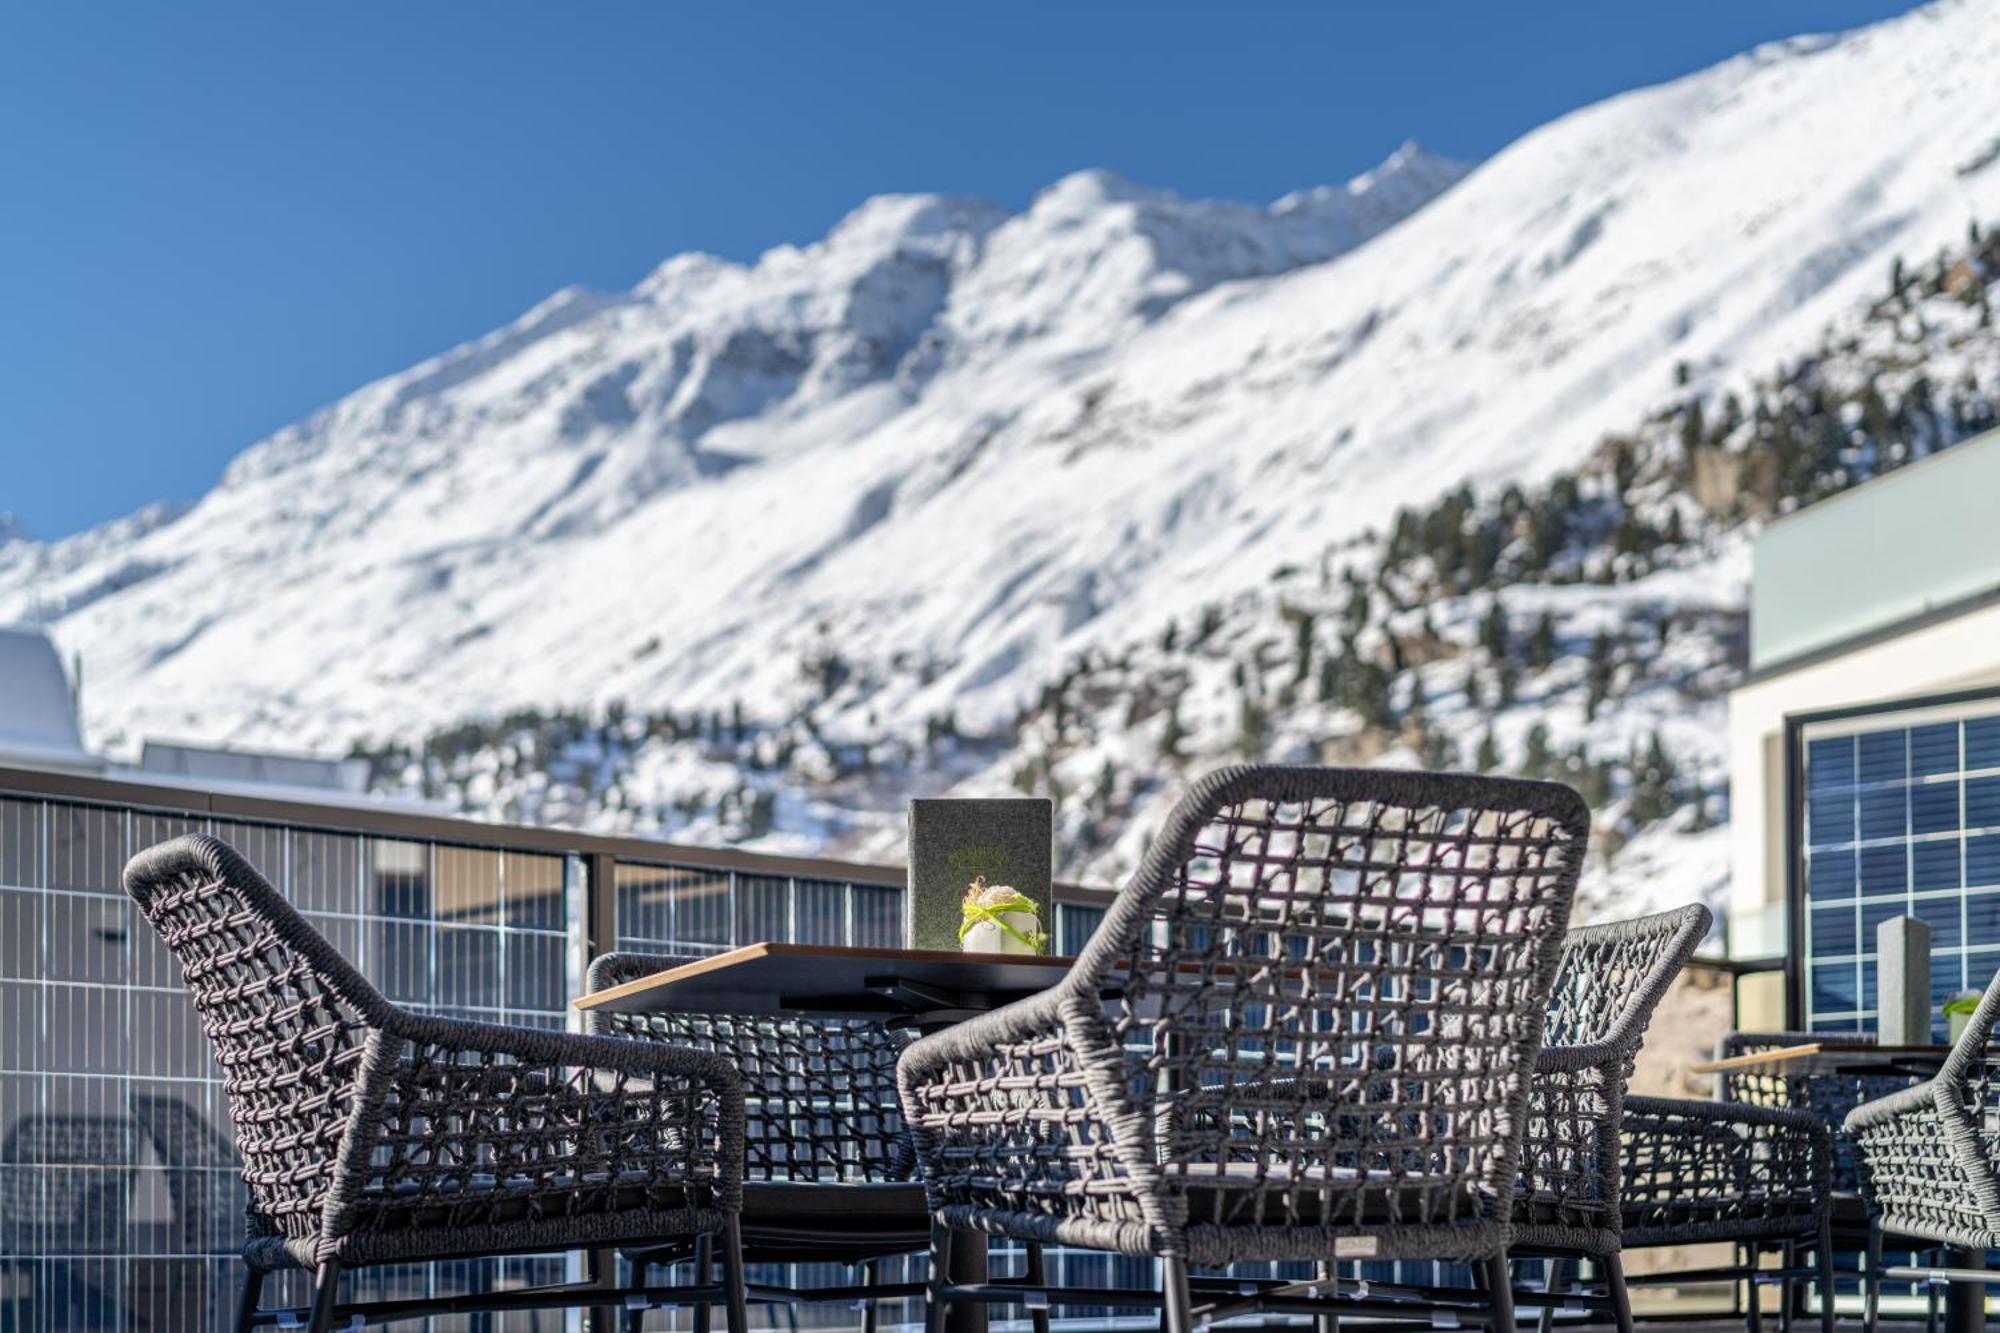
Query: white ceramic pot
x=987, y=937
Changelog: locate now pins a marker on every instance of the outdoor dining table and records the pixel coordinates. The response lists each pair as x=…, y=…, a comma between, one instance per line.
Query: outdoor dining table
x=922, y=989
x=1965, y=1300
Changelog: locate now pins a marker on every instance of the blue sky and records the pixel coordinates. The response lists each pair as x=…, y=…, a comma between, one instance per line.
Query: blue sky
x=215, y=219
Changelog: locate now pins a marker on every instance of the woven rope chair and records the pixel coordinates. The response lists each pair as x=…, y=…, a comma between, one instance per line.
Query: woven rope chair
x=1829, y=1098
x=369, y=1134
x=829, y=1169
x=1612, y=977
x=1698, y=1172
x=1931, y=1151
x=1303, y=1031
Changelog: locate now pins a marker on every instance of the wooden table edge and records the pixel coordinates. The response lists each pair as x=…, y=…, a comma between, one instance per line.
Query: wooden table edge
x=1780, y=1054
x=749, y=952
x=1755, y=1058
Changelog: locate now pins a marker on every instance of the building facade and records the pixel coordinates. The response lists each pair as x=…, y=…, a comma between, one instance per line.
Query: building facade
x=1865, y=739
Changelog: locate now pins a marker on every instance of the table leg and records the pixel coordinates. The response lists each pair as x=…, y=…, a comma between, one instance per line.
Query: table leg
x=1965, y=1302
x=968, y=1264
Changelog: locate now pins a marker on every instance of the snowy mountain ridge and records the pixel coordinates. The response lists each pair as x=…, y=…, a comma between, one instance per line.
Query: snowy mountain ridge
x=918, y=468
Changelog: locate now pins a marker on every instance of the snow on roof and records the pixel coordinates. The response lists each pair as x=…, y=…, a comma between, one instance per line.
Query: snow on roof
x=209, y=764
x=38, y=726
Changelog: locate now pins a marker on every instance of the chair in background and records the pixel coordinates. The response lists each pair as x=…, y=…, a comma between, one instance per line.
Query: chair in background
x=1828, y=1098
x=829, y=1175
x=1931, y=1152
x=1613, y=975
x=372, y=1135
x=1699, y=1172
x=1304, y=1031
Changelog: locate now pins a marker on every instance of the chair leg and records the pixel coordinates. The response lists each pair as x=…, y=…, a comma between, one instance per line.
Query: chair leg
x=1038, y=1315
x=326, y=1284
x=704, y=1273
x=246, y=1306
x=1871, y=1278
x=737, y=1320
x=871, y=1276
x=1498, y=1278
x=1551, y=1282
x=1614, y=1286
x=934, y=1301
x=635, y=1320
x=1753, y=1314
x=1177, y=1314
x=1825, y=1265
x=1788, y=1255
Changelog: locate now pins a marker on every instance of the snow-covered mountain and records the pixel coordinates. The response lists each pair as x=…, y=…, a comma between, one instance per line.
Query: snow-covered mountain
x=919, y=468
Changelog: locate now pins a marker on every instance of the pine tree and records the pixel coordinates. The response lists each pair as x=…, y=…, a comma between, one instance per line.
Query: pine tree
x=1489, y=753
x=1542, y=647
x=1494, y=636
x=1303, y=649
x=1437, y=752
x=1535, y=754
x=1474, y=695
x=1599, y=674
x=1251, y=729
x=1508, y=679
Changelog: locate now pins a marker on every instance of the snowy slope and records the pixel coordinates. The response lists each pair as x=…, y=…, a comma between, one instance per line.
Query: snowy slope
x=953, y=446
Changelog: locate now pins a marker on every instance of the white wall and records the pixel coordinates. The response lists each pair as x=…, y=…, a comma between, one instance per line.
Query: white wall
x=1956, y=654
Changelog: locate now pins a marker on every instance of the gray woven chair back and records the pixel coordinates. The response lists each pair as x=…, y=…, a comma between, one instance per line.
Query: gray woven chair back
x=1828, y=1097
x=1328, y=986
x=820, y=1099
x=1613, y=976
x=286, y=1016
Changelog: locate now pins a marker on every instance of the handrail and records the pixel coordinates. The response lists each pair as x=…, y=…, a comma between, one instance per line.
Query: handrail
x=386, y=821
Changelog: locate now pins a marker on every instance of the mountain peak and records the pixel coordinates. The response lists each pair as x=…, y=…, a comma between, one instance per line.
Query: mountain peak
x=1092, y=189
x=1400, y=184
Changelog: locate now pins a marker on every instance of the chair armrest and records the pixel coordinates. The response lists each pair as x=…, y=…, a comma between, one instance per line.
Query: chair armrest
x=450, y=1104
x=923, y=1060
x=1003, y=1117
x=1691, y=1166
x=1918, y=1098
x=1569, y=1059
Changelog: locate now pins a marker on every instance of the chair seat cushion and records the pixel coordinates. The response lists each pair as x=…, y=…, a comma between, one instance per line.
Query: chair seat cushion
x=842, y=1213
x=485, y=1199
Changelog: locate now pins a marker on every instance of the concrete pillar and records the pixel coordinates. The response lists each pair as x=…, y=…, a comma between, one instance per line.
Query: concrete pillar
x=1903, y=982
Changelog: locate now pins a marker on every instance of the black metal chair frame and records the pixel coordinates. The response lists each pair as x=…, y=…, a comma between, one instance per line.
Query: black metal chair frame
x=370, y=1134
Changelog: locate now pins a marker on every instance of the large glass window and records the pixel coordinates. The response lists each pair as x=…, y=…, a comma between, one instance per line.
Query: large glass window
x=1901, y=816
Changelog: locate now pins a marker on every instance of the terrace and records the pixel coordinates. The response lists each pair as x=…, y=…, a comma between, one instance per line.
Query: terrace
x=125, y=1199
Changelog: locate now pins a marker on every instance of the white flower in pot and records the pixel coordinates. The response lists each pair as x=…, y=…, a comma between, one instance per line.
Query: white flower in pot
x=1000, y=919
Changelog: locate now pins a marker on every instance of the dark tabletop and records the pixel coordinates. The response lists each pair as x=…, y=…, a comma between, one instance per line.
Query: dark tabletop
x=837, y=981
